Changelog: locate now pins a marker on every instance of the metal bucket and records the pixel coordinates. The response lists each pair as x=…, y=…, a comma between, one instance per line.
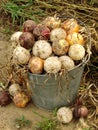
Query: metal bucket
x=50, y=91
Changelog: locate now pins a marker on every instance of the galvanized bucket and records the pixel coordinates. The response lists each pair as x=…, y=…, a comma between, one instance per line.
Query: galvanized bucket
x=54, y=91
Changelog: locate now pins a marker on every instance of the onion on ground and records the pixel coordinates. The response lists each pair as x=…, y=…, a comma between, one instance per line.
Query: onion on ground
x=64, y=115
x=21, y=99
x=52, y=64
x=42, y=49
x=14, y=88
x=76, y=52
x=4, y=98
x=36, y=65
x=21, y=55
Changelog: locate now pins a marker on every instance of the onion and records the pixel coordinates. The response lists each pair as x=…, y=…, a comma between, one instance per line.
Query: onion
x=52, y=65
x=4, y=98
x=41, y=32
x=60, y=47
x=42, y=49
x=57, y=34
x=29, y=25
x=21, y=55
x=36, y=65
x=15, y=36
x=21, y=99
x=80, y=111
x=67, y=63
x=26, y=40
x=14, y=88
x=70, y=25
x=74, y=38
x=76, y=51
x=52, y=22
x=64, y=115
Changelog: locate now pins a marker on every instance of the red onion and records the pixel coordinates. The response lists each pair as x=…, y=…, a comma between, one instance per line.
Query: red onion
x=4, y=98
x=41, y=32
x=26, y=40
x=29, y=25
x=80, y=111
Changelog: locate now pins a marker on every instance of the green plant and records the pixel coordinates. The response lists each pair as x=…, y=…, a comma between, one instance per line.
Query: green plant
x=46, y=123
x=22, y=122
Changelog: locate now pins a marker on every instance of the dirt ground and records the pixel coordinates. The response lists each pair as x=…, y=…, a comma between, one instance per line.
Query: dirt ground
x=9, y=113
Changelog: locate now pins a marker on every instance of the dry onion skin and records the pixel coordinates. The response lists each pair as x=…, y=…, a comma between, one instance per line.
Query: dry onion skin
x=36, y=65
x=57, y=34
x=26, y=40
x=14, y=88
x=60, y=47
x=76, y=52
x=52, y=22
x=64, y=115
x=42, y=49
x=52, y=65
x=70, y=25
x=67, y=62
x=29, y=25
x=15, y=36
x=21, y=55
x=21, y=99
x=75, y=38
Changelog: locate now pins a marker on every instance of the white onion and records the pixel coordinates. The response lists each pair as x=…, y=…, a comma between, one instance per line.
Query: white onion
x=52, y=65
x=64, y=115
x=57, y=34
x=42, y=49
x=67, y=62
x=21, y=55
x=15, y=36
x=14, y=88
x=76, y=51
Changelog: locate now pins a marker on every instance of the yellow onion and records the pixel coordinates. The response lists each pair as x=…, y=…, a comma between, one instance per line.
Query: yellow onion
x=21, y=99
x=76, y=52
x=52, y=64
x=21, y=55
x=57, y=34
x=67, y=62
x=52, y=22
x=42, y=49
x=70, y=25
x=36, y=65
x=60, y=47
x=64, y=115
x=75, y=38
